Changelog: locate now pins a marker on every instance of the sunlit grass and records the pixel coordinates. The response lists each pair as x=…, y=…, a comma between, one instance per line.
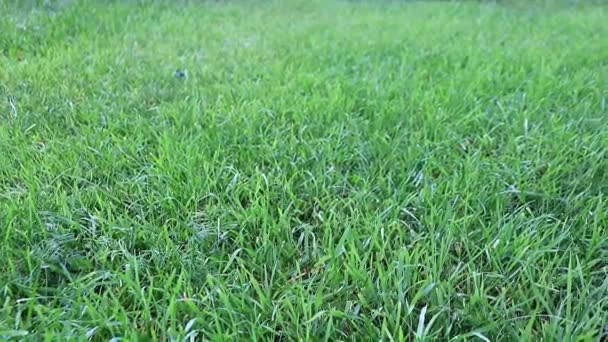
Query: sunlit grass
x=320, y=171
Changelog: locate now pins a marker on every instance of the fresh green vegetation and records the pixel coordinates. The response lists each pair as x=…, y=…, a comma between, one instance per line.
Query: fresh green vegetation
x=324, y=170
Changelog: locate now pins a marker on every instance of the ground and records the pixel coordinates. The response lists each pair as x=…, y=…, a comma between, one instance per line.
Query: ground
x=313, y=170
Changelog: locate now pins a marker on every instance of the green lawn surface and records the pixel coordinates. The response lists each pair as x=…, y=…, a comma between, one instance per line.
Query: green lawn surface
x=303, y=170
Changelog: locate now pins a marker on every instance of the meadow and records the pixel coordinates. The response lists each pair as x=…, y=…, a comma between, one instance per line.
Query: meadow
x=303, y=170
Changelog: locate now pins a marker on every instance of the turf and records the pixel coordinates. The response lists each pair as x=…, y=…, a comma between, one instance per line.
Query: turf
x=324, y=170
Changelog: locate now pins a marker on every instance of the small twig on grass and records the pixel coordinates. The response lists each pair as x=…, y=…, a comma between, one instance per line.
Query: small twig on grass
x=11, y=102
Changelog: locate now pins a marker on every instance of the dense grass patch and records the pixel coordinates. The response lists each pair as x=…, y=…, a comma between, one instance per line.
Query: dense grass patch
x=326, y=170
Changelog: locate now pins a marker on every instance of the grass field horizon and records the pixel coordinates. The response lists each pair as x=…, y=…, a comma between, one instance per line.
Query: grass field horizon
x=324, y=170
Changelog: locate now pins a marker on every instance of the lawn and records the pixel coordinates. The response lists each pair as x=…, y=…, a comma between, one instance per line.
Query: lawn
x=303, y=170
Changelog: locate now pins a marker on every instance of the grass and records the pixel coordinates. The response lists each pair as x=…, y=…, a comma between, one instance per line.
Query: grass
x=327, y=170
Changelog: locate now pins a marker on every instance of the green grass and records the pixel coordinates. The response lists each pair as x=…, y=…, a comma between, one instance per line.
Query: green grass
x=327, y=171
